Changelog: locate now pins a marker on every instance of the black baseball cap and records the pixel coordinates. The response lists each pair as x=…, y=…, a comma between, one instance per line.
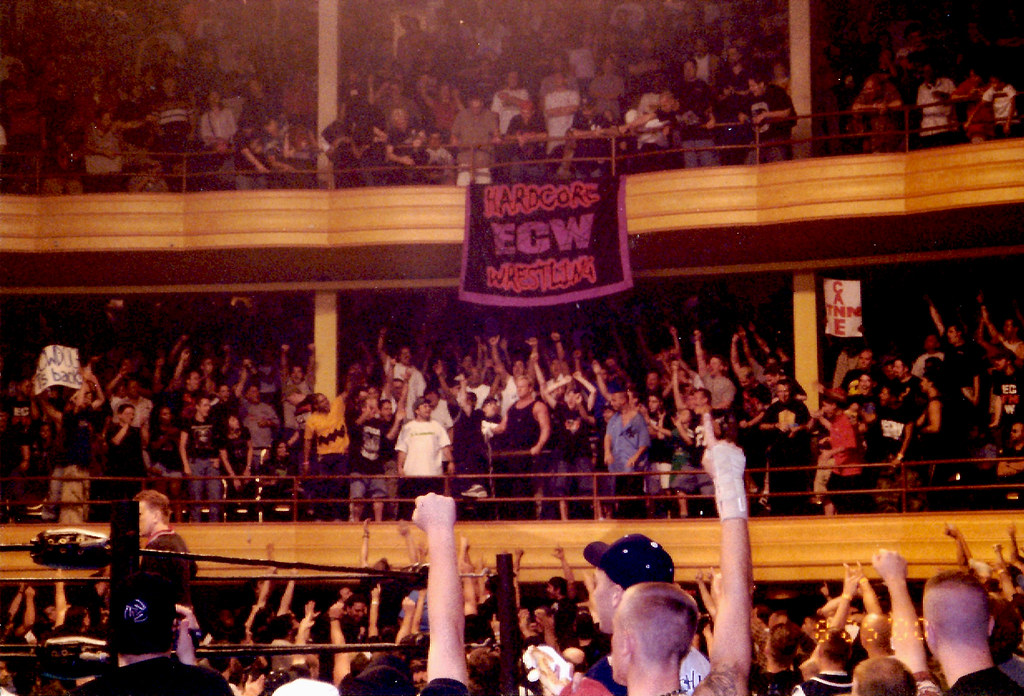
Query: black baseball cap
x=632, y=559
x=144, y=621
x=387, y=674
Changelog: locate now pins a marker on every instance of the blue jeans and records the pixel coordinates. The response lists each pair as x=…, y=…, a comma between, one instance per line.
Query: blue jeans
x=211, y=489
x=328, y=488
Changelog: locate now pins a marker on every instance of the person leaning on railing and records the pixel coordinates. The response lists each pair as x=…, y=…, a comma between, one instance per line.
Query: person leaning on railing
x=878, y=114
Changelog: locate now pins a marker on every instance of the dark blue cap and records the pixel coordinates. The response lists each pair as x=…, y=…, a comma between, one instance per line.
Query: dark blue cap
x=632, y=559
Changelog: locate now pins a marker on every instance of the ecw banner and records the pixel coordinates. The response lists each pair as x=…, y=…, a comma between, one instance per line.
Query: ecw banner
x=843, y=308
x=528, y=245
x=58, y=365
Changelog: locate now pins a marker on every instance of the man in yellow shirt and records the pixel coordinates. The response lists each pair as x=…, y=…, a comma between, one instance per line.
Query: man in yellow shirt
x=326, y=424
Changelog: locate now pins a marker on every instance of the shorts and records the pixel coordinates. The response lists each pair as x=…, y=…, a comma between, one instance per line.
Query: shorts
x=366, y=487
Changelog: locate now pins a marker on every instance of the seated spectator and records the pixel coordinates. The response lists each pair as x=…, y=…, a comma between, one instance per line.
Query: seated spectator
x=440, y=161
x=252, y=167
x=63, y=167
x=148, y=178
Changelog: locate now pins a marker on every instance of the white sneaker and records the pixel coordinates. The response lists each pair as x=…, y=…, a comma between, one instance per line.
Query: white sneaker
x=475, y=491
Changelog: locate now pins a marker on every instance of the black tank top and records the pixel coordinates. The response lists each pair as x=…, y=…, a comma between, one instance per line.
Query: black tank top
x=523, y=430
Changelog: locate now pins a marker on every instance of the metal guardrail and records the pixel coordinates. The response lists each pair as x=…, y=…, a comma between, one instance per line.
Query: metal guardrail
x=909, y=487
x=192, y=171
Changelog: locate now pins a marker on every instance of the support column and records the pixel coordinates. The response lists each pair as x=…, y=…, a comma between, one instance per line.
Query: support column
x=325, y=340
x=805, y=335
x=800, y=71
x=327, y=72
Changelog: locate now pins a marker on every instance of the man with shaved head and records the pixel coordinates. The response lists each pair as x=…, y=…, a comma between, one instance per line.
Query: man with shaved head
x=655, y=622
x=653, y=630
x=876, y=635
x=883, y=676
x=957, y=626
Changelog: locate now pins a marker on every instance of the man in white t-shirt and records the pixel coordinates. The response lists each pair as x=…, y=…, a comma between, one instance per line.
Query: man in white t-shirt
x=404, y=370
x=424, y=449
x=560, y=105
x=937, y=117
x=508, y=101
x=1003, y=98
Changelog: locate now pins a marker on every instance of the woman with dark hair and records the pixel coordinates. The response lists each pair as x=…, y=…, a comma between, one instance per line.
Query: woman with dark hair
x=124, y=455
x=931, y=431
x=274, y=480
x=235, y=451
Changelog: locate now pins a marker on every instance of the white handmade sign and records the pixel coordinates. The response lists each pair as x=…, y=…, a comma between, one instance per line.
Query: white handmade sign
x=843, y=308
x=58, y=366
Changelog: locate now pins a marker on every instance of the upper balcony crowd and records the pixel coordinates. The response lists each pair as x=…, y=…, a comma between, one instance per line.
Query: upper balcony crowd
x=584, y=420
x=209, y=96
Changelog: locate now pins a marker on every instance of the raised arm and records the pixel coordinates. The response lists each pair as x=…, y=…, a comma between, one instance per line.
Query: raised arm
x=342, y=660
x=907, y=639
x=12, y=612
x=410, y=543
x=570, y=578
x=1006, y=584
x=60, y=603
x=542, y=385
x=734, y=353
x=599, y=375
x=373, y=630
x=933, y=311
x=868, y=595
x=963, y=551
x=851, y=585
x=306, y=623
x=446, y=658
x=499, y=365
x=698, y=347
x=286, y=598
x=364, y=547
x=466, y=569
x=731, y=651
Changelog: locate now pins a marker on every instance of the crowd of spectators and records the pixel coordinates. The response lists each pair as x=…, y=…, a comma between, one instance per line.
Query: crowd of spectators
x=957, y=63
x=548, y=421
x=865, y=639
x=461, y=93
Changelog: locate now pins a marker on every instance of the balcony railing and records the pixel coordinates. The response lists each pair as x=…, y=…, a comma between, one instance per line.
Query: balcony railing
x=610, y=152
x=520, y=492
